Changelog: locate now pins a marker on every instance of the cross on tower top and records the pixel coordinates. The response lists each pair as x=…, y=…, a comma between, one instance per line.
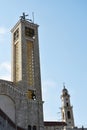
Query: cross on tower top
x=23, y=17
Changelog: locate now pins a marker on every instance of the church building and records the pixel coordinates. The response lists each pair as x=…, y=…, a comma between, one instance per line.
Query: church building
x=21, y=105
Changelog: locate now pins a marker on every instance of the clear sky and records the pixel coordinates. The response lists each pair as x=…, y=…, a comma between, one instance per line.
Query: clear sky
x=63, y=50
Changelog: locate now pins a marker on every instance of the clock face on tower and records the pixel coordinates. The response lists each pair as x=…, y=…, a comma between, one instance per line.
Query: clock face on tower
x=29, y=32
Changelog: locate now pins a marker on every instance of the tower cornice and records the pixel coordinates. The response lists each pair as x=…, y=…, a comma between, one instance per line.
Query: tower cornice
x=25, y=22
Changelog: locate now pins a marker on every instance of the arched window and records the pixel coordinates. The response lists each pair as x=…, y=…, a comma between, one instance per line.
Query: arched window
x=34, y=127
x=29, y=127
x=67, y=104
x=68, y=114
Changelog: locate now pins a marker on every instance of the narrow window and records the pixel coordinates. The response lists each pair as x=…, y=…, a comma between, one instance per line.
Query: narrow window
x=16, y=34
x=30, y=63
x=68, y=114
x=67, y=104
x=63, y=115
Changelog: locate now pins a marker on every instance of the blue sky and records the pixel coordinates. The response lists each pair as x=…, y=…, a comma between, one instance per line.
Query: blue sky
x=63, y=50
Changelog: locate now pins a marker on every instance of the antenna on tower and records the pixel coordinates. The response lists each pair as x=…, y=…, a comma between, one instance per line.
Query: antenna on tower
x=33, y=16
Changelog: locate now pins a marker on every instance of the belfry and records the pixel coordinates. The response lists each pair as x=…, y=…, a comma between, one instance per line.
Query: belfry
x=67, y=109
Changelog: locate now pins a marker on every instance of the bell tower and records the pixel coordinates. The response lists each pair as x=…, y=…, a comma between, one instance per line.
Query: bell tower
x=26, y=74
x=25, y=56
x=66, y=109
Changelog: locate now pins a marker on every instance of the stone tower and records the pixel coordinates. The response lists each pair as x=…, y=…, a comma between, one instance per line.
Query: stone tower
x=26, y=71
x=66, y=109
x=25, y=59
x=21, y=99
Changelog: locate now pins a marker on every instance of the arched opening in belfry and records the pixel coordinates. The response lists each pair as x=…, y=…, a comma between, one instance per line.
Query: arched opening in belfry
x=68, y=114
